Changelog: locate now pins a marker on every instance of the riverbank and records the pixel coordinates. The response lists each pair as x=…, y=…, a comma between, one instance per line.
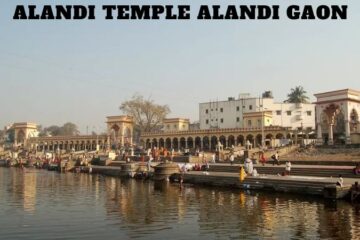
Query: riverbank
x=325, y=187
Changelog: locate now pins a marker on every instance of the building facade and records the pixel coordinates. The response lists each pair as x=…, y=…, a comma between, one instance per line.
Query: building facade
x=119, y=134
x=207, y=139
x=176, y=124
x=249, y=111
x=337, y=117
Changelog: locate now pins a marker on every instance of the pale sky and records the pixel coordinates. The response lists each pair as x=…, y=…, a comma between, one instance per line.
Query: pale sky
x=52, y=72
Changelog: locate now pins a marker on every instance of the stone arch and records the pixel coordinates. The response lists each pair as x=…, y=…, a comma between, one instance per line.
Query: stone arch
x=148, y=143
x=155, y=142
x=206, y=143
x=127, y=136
x=258, y=141
x=20, y=138
x=339, y=123
x=182, y=143
x=168, y=143
x=175, y=143
x=190, y=142
x=231, y=141
x=120, y=131
x=161, y=143
x=222, y=140
x=213, y=142
x=354, y=121
x=279, y=136
x=324, y=122
x=114, y=134
x=142, y=143
x=198, y=142
x=240, y=140
x=250, y=138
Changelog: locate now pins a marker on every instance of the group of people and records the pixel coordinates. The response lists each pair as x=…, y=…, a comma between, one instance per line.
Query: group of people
x=274, y=157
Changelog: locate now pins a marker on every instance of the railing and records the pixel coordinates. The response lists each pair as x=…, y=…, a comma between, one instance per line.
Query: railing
x=67, y=138
x=219, y=130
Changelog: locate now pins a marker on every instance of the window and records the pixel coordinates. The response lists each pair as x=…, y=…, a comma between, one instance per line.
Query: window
x=207, y=121
x=308, y=113
x=207, y=111
x=212, y=109
x=237, y=119
x=259, y=123
x=168, y=126
x=175, y=126
x=288, y=113
x=237, y=108
x=243, y=106
x=221, y=109
x=278, y=112
x=221, y=120
x=249, y=123
x=216, y=119
x=250, y=107
x=216, y=109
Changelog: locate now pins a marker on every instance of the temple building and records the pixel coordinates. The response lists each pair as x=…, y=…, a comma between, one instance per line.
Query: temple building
x=337, y=117
x=119, y=134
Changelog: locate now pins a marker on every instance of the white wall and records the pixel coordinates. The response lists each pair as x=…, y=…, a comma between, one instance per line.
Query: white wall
x=234, y=109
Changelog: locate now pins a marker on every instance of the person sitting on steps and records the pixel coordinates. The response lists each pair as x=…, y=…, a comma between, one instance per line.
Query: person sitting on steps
x=275, y=158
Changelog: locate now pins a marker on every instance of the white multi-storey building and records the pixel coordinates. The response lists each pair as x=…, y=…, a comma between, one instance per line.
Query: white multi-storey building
x=247, y=111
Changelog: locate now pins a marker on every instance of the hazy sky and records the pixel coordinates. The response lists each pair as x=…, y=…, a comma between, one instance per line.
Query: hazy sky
x=52, y=72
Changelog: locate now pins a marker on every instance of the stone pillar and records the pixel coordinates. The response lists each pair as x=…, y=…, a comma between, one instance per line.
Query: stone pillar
x=186, y=143
x=122, y=131
x=108, y=146
x=347, y=132
x=319, y=139
x=331, y=137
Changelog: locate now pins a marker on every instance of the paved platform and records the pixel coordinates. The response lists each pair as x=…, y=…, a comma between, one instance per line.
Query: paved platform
x=317, y=186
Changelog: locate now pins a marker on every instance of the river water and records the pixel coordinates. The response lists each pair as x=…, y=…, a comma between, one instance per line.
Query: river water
x=38, y=204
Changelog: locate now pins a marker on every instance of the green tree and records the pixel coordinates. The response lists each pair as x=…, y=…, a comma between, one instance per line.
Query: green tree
x=148, y=116
x=69, y=129
x=297, y=95
x=53, y=130
x=10, y=135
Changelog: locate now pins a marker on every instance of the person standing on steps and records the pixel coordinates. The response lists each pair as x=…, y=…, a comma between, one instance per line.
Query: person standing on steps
x=275, y=157
x=232, y=158
x=287, y=168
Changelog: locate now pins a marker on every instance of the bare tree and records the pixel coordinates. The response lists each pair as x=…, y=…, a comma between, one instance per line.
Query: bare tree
x=148, y=116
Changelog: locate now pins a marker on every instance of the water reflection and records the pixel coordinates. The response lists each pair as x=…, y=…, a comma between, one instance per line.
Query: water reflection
x=114, y=207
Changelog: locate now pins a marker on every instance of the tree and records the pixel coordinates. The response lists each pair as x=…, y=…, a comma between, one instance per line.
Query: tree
x=53, y=130
x=147, y=115
x=68, y=129
x=10, y=135
x=297, y=95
